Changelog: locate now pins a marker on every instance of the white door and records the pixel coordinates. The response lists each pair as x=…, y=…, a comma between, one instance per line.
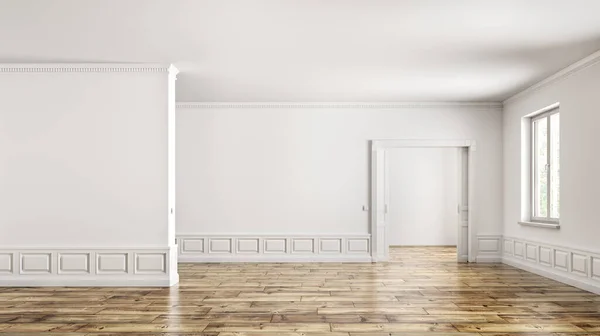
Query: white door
x=379, y=185
x=462, y=250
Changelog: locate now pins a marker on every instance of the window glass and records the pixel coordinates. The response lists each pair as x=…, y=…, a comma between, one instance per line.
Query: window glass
x=555, y=165
x=540, y=167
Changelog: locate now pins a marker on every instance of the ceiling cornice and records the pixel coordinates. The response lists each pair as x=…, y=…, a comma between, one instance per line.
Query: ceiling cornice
x=560, y=75
x=400, y=105
x=86, y=67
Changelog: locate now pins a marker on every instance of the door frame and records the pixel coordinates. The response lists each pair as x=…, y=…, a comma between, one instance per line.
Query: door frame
x=380, y=191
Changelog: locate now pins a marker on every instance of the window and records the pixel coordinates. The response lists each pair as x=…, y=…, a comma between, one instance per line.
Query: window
x=545, y=167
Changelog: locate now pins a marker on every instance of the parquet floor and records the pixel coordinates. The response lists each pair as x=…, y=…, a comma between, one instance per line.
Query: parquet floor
x=422, y=291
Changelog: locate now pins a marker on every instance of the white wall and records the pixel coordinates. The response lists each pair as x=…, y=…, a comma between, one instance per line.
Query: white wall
x=580, y=122
x=83, y=152
x=305, y=170
x=423, y=202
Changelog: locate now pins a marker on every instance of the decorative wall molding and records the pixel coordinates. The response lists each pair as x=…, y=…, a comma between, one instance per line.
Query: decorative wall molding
x=398, y=105
x=574, y=267
x=142, y=266
x=489, y=249
x=86, y=67
x=560, y=75
x=228, y=247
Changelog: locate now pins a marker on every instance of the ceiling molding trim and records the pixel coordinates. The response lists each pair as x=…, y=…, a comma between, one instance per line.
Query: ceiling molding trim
x=401, y=105
x=85, y=67
x=560, y=75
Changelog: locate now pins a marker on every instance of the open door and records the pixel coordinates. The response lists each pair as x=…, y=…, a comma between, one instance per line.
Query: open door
x=380, y=206
x=462, y=251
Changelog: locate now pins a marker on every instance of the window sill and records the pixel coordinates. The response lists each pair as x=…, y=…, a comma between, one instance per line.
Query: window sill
x=542, y=225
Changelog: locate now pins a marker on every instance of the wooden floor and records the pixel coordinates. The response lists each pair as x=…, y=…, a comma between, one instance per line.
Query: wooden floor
x=422, y=291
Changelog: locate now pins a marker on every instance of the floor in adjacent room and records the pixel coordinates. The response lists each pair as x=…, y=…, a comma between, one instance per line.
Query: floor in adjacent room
x=421, y=291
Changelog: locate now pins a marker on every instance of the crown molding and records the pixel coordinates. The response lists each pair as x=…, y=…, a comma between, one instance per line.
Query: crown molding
x=560, y=75
x=399, y=105
x=86, y=67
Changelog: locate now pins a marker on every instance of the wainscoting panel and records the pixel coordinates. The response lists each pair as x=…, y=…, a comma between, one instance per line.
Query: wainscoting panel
x=276, y=245
x=508, y=246
x=357, y=245
x=328, y=245
x=6, y=263
x=74, y=263
x=248, y=245
x=545, y=256
x=193, y=245
x=568, y=265
x=218, y=245
x=489, y=248
x=36, y=263
x=150, y=263
x=531, y=252
x=518, y=248
x=561, y=260
x=276, y=248
x=579, y=264
x=596, y=268
x=112, y=263
x=303, y=245
x=145, y=266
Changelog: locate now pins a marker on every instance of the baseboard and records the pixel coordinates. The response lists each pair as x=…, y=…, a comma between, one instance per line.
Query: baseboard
x=274, y=259
x=575, y=267
x=97, y=267
x=86, y=281
x=199, y=247
x=488, y=259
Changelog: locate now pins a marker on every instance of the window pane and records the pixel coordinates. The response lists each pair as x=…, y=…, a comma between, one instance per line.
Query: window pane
x=540, y=158
x=555, y=166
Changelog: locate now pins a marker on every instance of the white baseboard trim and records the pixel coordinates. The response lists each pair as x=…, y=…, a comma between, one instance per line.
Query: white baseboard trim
x=488, y=259
x=273, y=259
x=226, y=247
x=575, y=267
x=97, y=267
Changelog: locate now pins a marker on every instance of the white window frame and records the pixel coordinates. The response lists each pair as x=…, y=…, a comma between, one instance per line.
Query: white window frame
x=534, y=165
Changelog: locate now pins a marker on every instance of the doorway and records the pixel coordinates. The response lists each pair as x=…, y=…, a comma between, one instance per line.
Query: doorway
x=381, y=151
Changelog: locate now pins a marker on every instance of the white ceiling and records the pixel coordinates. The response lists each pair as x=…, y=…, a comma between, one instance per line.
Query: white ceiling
x=314, y=50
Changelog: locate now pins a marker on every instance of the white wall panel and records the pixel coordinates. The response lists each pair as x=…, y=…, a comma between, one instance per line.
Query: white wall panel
x=313, y=179
x=218, y=245
x=112, y=263
x=519, y=249
x=91, y=166
x=32, y=263
x=150, y=263
x=275, y=245
x=579, y=264
x=545, y=256
x=561, y=260
x=595, y=267
x=70, y=263
x=531, y=252
x=278, y=248
x=192, y=245
x=6, y=262
x=248, y=245
x=303, y=245
x=330, y=246
x=358, y=245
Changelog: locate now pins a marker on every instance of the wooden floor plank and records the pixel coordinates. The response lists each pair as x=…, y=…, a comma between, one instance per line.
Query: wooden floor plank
x=421, y=291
